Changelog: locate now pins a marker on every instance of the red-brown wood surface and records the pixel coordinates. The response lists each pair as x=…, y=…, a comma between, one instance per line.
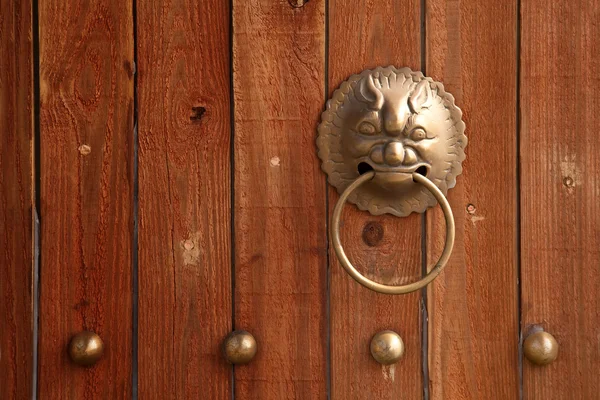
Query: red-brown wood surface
x=86, y=183
x=16, y=200
x=280, y=214
x=560, y=189
x=365, y=34
x=473, y=306
x=184, y=199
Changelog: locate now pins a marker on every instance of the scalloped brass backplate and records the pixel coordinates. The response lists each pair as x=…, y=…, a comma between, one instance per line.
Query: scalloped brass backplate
x=394, y=122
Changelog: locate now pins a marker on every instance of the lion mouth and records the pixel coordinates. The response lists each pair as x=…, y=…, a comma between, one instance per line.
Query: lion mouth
x=420, y=167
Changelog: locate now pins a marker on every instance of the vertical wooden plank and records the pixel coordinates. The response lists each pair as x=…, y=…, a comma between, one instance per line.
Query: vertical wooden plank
x=280, y=215
x=86, y=122
x=184, y=199
x=473, y=306
x=365, y=34
x=16, y=199
x=560, y=188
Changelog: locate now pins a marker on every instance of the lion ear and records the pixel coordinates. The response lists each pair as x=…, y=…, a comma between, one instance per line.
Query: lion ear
x=421, y=97
x=367, y=92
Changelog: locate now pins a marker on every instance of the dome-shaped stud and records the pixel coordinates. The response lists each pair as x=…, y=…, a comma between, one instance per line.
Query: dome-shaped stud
x=540, y=348
x=86, y=348
x=239, y=347
x=387, y=347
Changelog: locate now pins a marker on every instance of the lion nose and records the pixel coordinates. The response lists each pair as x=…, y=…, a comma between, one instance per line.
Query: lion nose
x=394, y=153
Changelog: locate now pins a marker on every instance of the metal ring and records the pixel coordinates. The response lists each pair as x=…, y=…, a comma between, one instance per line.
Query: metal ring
x=379, y=287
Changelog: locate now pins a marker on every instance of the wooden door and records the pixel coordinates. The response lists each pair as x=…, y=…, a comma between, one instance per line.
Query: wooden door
x=160, y=186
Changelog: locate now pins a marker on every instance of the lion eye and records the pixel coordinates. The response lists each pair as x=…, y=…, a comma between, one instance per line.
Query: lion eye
x=418, y=134
x=367, y=128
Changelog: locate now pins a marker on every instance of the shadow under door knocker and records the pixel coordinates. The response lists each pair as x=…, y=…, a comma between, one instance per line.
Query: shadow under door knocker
x=392, y=141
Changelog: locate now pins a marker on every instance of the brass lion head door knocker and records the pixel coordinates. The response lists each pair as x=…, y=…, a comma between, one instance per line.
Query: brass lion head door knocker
x=392, y=141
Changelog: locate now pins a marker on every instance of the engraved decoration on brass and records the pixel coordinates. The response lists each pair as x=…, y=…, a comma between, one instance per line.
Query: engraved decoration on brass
x=394, y=122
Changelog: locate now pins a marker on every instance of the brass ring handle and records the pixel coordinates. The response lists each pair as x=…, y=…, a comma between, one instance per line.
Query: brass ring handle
x=379, y=287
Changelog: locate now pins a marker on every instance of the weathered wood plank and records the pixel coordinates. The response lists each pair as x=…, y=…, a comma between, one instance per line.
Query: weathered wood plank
x=86, y=122
x=473, y=305
x=280, y=214
x=560, y=188
x=365, y=34
x=184, y=199
x=16, y=199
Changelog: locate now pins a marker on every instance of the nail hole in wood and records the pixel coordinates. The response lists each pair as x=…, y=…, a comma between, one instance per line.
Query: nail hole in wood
x=568, y=182
x=197, y=113
x=297, y=3
x=84, y=149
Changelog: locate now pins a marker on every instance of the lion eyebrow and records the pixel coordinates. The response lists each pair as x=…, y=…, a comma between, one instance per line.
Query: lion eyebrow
x=410, y=122
x=373, y=117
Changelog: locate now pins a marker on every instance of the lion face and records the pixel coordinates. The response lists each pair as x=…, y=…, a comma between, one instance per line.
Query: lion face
x=394, y=122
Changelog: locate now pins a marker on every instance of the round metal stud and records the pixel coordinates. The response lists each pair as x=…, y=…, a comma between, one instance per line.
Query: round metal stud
x=239, y=347
x=540, y=348
x=86, y=348
x=387, y=347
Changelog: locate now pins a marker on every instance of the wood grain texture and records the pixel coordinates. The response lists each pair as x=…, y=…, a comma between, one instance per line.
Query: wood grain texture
x=365, y=34
x=86, y=183
x=473, y=306
x=280, y=214
x=184, y=199
x=560, y=188
x=16, y=200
